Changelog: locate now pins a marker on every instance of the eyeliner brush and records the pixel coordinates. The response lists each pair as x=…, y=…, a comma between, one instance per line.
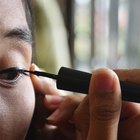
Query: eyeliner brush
x=39, y=73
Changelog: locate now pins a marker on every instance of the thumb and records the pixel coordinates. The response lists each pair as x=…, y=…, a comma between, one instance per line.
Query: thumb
x=104, y=105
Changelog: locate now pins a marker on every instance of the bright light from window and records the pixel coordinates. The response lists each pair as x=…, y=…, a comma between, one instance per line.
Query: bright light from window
x=82, y=2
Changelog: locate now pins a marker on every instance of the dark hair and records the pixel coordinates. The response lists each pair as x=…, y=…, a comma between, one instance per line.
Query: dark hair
x=28, y=11
x=28, y=6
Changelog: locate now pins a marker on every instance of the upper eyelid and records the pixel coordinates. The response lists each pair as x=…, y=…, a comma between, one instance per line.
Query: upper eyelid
x=18, y=69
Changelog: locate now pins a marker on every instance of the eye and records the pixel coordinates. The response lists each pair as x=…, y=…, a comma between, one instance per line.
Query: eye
x=9, y=75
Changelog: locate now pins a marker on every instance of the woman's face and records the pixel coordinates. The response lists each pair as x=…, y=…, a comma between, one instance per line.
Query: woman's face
x=16, y=94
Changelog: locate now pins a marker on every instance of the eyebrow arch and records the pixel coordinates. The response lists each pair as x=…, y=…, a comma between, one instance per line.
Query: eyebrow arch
x=21, y=34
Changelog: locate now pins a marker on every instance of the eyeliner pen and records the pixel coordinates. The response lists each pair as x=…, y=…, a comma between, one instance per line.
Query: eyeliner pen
x=78, y=81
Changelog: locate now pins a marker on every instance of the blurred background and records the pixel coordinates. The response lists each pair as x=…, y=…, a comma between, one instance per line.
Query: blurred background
x=87, y=34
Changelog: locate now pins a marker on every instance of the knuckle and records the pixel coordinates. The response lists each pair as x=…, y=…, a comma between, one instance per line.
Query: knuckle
x=73, y=100
x=69, y=99
x=70, y=103
x=106, y=112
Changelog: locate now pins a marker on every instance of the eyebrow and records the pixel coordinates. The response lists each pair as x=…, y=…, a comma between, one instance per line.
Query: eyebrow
x=22, y=34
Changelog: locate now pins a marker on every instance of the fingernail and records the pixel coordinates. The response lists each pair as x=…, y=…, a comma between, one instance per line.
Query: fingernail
x=104, y=81
x=53, y=115
x=54, y=100
x=34, y=67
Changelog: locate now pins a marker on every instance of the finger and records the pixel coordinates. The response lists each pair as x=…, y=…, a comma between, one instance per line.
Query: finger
x=68, y=130
x=44, y=85
x=62, y=118
x=129, y=75
x=104, y=105
x=133, y=132
x=63, y=115
x=65, y=110
x=81, y=118
x=52, y=102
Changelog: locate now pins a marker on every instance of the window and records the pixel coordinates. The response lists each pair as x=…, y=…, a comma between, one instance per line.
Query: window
x=106, y=34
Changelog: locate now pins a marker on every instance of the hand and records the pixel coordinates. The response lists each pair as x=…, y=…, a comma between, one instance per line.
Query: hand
x=66, y=106
x=101, y=108
x=130, y=114
x=55, y=114
x=129, y=117
x=124, y=127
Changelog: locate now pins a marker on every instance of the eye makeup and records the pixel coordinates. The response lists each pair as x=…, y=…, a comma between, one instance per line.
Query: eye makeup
x=78, y=81
x=9, y=77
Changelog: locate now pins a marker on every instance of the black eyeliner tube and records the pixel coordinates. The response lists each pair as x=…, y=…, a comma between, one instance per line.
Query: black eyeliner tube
x=78, y=81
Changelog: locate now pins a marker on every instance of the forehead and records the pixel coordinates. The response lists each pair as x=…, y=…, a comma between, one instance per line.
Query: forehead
x=12, y=14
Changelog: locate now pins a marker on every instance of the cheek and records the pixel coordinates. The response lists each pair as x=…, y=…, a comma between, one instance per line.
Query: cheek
x=16, y=109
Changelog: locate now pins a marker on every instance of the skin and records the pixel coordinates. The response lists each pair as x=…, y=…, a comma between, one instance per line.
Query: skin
x=17, y=98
